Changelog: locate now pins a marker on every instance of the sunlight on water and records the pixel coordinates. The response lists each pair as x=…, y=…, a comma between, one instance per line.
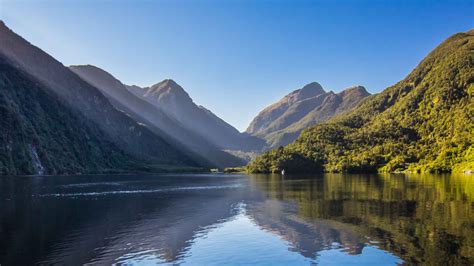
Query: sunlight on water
x=139, y=191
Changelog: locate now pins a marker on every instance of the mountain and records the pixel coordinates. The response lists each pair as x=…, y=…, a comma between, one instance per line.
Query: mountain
x=267, y=120
x=424, y=123
x=54, y=122
x=282, y=122
x=172, y=99
x=155, y=118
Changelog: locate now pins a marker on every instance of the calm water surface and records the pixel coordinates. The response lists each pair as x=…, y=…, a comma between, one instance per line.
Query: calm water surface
x=237, y=219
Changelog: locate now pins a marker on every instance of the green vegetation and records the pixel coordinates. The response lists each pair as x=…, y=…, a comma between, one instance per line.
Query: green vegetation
x=424, y=123
x=425, y=219
x=281, y=123
x=230, y=170
x=40, y=134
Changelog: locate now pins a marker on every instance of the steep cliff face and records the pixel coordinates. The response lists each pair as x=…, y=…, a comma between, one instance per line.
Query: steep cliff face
x=282, y=122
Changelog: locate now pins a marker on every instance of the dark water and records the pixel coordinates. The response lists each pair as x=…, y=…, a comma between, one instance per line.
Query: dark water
x=238, y=219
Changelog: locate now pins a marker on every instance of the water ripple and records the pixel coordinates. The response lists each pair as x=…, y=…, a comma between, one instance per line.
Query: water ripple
x=82, y=185
x=140, y=191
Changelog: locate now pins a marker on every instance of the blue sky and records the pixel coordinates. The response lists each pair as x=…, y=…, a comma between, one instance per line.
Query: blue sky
x=236, y=57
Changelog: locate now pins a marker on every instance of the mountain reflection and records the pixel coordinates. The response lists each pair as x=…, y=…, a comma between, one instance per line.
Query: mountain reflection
x=421, y=218
x=207, y=219
x=99, y=229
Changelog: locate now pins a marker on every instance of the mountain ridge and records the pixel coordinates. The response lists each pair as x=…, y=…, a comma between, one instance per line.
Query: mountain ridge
x=42, y=135
x=80, y=97
x=281, y=122
x=172, y=99
x=423, y=123
x=158, y=121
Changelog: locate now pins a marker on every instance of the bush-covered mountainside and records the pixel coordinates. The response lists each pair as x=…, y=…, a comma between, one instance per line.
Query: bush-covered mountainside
x=41, y=135
x=423, y=123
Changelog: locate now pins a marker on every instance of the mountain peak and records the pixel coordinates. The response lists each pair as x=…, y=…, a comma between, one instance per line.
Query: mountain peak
x=169, y=83
x=312, y=86
x=88, y=68
x=167, y=87
x=357, y=89
x=280, y=123
x=312, y=89
x=309, y=90
x=426, y=116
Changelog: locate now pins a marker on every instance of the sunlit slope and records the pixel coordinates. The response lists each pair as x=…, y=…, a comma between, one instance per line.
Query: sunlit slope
x=282, y=122
x=423, y=123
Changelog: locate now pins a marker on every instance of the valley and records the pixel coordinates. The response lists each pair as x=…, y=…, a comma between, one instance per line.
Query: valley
x=422, y=123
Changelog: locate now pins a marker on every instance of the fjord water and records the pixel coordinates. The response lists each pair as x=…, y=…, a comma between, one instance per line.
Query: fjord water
x=214, y=219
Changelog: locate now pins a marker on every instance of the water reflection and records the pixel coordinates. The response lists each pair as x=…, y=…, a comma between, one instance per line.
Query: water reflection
x=421, y=218
x=217, y=219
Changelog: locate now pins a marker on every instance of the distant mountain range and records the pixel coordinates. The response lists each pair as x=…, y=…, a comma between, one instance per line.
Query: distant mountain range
x=145, y=129
x=176, y=102
x=424, y=123
x=156, y=117
x=282, y=122
x=81, y=119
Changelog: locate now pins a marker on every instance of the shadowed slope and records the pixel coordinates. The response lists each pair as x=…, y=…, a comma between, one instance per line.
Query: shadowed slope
x=172, y=99
x=73, y=93
x=41, y=135
x=158, y=121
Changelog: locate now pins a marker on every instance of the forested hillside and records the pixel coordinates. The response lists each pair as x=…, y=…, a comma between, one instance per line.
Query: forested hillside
x=41, y=135
x=423, y=123
x=54, y=122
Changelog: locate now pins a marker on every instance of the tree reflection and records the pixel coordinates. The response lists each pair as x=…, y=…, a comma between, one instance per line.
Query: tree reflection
x=421, y=218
